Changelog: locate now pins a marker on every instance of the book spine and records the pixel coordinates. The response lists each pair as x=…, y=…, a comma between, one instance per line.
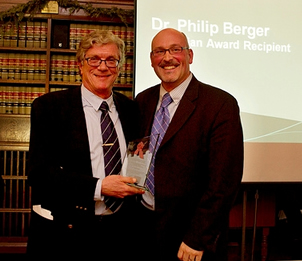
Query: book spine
x=2, y=99
x=11, y=66
x=36, y=64
x=30, y=66
x=36, y=34
x=53, y=68
x=27, y=100
x=2, y=32
x=73, y=68
x=65, y=69
x=73, y=36
x=14, y=36
x=83, y=31
x=1, y=64
x=59, y=68
x=43, y=34
x=21, y=98
x=5, y=66
x=42, y=65
x=22, y=34
x=15, y=99
x=30, y=34
x=23, y=66
x=129, y=40
x=8, y=100
x=18, y=67
x=122, y=75
x=7, y=35
x=78, y=35
x=129, y=70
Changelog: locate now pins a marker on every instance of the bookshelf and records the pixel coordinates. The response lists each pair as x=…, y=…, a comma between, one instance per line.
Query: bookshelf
x=38, y=56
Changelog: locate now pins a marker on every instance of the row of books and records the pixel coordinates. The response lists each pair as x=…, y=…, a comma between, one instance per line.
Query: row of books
x=22, y=66
x=30, y=34
x=64, y=68
x=78, y=31
x=33, y=34
x=18, y=99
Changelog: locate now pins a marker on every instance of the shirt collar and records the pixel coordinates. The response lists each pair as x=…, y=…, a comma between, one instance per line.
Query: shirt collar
x=90, y=99
x=177, y=93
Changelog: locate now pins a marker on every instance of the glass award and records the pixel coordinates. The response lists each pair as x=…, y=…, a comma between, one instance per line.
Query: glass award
x=138, y=161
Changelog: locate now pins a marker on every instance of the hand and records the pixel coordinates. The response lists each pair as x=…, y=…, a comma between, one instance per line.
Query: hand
x=116, y=186
x=185, y=253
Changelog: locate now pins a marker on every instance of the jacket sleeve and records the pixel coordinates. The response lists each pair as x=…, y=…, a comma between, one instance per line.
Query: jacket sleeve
x=225, y=167
x=59, y=161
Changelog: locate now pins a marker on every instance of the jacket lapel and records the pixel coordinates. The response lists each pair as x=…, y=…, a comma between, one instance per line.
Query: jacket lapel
x=185, y=108
x=151, y=109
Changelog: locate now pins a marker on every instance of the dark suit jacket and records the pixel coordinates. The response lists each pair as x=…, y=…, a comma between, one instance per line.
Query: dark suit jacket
x=198, y=166
x=60, y=171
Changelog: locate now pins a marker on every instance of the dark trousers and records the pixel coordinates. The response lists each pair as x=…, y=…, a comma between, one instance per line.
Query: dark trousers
x=152, y=247
x=102, y=238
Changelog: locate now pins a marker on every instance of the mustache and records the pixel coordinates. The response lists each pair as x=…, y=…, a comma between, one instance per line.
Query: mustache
x=169, y=63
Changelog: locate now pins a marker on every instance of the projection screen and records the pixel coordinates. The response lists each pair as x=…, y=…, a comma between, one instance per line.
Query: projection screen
x=251, y=49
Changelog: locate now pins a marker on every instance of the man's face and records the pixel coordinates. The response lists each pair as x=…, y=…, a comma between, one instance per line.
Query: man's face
x=171, y=69
x=99, y=80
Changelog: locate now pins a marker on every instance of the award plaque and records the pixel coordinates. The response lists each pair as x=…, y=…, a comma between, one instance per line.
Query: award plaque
x=138, y=161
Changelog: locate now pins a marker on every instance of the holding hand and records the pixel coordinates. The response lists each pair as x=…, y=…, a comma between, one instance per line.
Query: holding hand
x=116, y=186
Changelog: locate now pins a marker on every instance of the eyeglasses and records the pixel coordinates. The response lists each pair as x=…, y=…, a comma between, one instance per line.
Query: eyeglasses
x=160, y=52
x=96, y=62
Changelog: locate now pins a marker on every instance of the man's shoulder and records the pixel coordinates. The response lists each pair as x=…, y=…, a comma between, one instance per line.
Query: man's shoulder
x=147, y=92
x=121, y=97
x=211, y=90
x=59, y=95
x=58, y=100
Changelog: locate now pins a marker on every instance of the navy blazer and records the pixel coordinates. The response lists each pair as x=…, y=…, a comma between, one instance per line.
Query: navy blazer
x=198, y=166
x=60, y=171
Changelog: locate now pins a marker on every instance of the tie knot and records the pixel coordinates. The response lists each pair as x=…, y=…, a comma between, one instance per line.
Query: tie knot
x=166, y=100
x=104, y=106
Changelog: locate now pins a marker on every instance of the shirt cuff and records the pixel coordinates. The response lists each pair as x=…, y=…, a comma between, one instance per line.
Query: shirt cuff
x=98, y=191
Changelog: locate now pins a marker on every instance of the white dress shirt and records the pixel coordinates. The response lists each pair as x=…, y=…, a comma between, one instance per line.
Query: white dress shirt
x=91, y=104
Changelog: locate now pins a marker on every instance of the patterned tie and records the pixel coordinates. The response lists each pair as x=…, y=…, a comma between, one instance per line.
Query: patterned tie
x=111, y=150
x=159, y=127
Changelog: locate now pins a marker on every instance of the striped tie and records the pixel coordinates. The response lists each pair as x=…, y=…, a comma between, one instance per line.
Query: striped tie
x=111, y=150
x=159, y=127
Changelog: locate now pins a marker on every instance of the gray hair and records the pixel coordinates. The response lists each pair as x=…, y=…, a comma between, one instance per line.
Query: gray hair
x=100, y=38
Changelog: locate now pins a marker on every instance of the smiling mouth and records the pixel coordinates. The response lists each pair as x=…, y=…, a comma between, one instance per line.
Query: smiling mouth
x=101, y=76
x=170, y=67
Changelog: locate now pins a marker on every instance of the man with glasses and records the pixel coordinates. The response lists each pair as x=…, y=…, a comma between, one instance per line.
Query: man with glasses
x=198, y=163
x=83, y=207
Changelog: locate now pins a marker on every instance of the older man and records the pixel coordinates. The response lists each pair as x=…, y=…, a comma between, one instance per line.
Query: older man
x=77, y=146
